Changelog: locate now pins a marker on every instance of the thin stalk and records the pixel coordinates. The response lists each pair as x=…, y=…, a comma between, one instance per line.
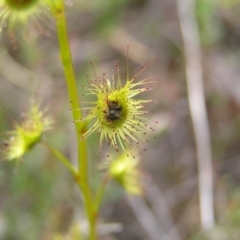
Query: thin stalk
x=100, y=192
x=62, y=158
x=196, y=99
x=80, y=127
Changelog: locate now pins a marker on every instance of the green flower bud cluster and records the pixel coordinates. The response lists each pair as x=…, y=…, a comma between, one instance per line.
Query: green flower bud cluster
x=26, y=134
x=125, y=171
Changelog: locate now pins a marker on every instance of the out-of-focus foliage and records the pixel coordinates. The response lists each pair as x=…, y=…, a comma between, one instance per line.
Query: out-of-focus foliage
x=209, y=22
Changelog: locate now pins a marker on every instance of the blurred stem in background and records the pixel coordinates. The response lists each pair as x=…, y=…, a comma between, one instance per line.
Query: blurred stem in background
x=82, y=179
x=194, y=75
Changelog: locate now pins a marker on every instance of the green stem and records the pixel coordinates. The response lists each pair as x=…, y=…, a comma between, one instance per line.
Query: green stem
x=63, y=159
x=83, y=180
x=100, y=192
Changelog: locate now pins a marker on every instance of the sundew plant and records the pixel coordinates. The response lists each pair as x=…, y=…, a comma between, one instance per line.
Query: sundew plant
x=117, y=113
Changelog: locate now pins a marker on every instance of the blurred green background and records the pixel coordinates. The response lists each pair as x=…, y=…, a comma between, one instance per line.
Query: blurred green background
x=37, y=195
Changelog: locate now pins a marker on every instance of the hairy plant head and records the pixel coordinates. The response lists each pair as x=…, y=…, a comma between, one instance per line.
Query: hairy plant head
x=26, y=134
x=30, y=17
x=119, y=112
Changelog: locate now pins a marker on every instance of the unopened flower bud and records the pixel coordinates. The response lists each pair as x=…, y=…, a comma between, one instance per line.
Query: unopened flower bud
x=26, y=134
x=125, y=171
